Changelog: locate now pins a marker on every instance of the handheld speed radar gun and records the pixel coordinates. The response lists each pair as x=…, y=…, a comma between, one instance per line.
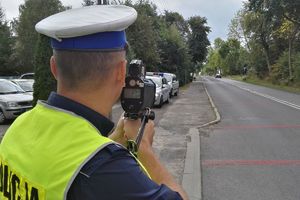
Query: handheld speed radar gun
x=137, y=98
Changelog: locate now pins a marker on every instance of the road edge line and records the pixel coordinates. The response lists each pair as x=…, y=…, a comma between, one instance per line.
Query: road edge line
x=215, y=109
x=192, y=180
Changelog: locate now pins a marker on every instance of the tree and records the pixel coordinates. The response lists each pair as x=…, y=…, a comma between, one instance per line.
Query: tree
x=174, y=53
x=286, y=18
x=237, y=29
x=288, y=30
x=44, y=81
x=6, y=43
x=31, y=12
x=174, y=18
x=198, y=40
x=260, y=25
x=142, y=37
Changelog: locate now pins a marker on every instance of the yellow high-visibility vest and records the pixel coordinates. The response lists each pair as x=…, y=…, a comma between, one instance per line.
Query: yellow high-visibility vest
x=43, y=151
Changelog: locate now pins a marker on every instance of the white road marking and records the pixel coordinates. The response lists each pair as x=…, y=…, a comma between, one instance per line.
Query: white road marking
x=268, y=97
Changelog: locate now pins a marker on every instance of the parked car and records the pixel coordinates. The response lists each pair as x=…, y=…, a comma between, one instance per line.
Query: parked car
x=13, y=100
x=162, y=93
x=172, y=81
x=25, y=84
x=27, y=76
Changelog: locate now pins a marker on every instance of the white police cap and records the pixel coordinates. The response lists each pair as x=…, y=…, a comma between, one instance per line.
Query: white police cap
x=100, y=27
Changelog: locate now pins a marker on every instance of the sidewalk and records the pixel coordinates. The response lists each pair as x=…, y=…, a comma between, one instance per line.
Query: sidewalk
x=177, y=140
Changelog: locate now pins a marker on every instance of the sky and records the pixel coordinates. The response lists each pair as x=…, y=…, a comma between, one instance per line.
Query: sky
x=218, y=12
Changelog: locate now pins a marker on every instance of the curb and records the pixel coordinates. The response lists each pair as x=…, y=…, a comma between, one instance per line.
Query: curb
x=191, y=181
x=218, y=117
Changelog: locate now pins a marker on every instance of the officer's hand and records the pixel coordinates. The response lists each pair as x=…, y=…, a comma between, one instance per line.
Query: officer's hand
x=131, y=128
x=118, y=134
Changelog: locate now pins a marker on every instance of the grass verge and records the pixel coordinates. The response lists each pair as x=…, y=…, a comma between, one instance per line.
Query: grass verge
x=185, y=87
x=265, y=83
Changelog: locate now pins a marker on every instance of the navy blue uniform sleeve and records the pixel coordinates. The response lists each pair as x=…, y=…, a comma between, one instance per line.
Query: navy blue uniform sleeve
x=113, y=174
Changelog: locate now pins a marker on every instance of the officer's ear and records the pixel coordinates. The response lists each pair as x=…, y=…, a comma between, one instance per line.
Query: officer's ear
x=53, y=67
x=122, y=72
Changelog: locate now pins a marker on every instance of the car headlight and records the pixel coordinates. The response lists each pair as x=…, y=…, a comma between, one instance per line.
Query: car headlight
x=12, y=104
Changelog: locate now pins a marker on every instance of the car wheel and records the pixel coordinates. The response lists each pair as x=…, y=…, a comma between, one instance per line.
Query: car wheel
x=2, y=117
x=176, y=94
x=161, y=102
x=168, y=99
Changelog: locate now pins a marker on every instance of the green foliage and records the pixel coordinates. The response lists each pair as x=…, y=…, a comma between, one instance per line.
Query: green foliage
x=296, y=59
x=31, y=12
x=174, y=18
x=44, y=81
x=280, y=70
x=161, y=41
x=142, y=37
x=228, y=56
x=36, y=47
x=174, y=53
x=270, y=31
x=6, y=44
x=198, y=41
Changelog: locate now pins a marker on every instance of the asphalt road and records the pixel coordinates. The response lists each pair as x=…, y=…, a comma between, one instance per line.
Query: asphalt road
x=254, y=152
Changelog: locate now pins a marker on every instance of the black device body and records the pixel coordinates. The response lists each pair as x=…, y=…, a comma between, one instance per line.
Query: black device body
x=138, y=93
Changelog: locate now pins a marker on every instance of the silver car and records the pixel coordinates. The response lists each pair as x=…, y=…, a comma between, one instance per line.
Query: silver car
x=25, y=84
x=173, y=82
x=13, y=100
x=162, y=93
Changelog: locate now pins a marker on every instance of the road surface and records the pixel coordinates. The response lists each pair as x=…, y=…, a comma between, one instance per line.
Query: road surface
x=254, y=152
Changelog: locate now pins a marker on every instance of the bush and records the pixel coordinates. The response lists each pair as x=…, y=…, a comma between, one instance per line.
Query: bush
x=280, y=70
x=296, y=62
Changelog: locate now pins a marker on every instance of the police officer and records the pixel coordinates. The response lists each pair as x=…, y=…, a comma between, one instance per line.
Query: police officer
x=65, y=148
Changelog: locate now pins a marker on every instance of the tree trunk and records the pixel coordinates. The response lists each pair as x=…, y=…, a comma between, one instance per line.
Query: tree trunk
x=267, y=52
x=291, y=41
x=267, y=55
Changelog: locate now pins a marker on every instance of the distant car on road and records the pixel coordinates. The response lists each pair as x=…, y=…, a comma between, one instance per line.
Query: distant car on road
x=13, y=100
x=162, y=93
x=218, y=75
x=25, y=84
x=27, y=76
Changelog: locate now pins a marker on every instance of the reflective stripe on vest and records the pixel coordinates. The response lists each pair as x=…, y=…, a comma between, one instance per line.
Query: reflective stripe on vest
x=43, y=151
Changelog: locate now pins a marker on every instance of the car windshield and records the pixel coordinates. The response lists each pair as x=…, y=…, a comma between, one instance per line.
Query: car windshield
x=156, y=80
x=27, y=86
x=7, y=87
x=27, y=76
x=168, y=77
